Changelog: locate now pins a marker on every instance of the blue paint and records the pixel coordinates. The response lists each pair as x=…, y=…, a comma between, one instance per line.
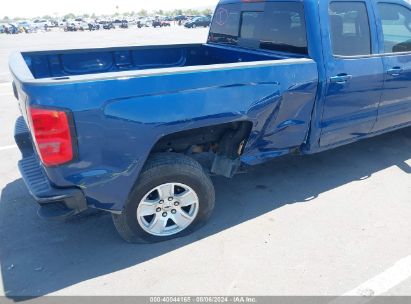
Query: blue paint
x=120, y=113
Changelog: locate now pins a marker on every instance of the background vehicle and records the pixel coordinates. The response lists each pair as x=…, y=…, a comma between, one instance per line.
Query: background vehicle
x=145, y=22
x=71, y=26
x=11, y=28
x=131, y=21
x=123, y=24
x=156, y=23
x=25, y=27
x=81, y=24
x=93, y=26
x=180, y=17
x=120, y=23
x=127, y=129
x=198, y=22
x=42, y=24
x=160, y=23
x=107, y=25
x=62, y=23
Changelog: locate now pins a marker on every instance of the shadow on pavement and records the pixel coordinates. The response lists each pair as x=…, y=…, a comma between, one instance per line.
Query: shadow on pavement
x=39, y=257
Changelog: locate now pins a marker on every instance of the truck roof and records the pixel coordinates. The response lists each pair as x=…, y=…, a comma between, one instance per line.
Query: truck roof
x=306, y=1
x=250, y=1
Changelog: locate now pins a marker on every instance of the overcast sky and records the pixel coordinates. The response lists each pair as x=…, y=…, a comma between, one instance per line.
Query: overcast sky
x=33, y=8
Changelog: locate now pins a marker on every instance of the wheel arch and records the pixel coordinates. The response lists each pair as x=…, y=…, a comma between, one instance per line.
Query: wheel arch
x=223, y=140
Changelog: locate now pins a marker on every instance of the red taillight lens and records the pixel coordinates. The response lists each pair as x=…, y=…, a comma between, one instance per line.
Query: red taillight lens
x=51, y=135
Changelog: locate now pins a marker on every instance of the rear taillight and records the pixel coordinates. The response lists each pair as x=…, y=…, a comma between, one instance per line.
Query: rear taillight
x=51, y=135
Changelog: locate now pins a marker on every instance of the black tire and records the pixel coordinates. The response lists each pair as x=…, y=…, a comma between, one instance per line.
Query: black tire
x=160, y=169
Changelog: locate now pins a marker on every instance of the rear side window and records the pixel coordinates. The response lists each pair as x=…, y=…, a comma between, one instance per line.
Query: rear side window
x=225, y=25
x=396, y=27
x=283, y=28
x=278, y=26
x=349, y=28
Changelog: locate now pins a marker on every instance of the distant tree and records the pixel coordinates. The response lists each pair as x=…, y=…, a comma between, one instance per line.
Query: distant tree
x=93, y=15
x=47, y=17
x=142, y=13
x=159, y=12
x=191, y=12
x=86, y=16
x=5, y=19
x=69, y=16
x=207, y=11
x=177, y=12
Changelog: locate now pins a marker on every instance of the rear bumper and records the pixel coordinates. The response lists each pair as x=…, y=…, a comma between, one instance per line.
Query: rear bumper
x=55, y=203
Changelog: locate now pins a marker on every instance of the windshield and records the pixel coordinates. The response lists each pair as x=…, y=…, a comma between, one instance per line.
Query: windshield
x=276, y=26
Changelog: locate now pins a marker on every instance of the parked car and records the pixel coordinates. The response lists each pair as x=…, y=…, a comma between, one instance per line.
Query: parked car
x=93, y=26
x=121, y=23
x=81, y=24
x=11, y=28
x=54, y=23
x=180, y=18
x=117, y=22
x=160, y=23
x=144, y=22
x=62, y=23
x=125, y=129
x=25, y=27
x=198, y=22
x=107, y=25
x=42, y=24
x=131, y=21
x=71, y=27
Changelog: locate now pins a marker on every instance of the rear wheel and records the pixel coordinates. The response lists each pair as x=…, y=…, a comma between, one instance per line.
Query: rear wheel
x=172, y=198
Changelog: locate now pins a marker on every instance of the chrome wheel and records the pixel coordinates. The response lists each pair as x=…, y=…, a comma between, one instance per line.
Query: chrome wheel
x=168, y=209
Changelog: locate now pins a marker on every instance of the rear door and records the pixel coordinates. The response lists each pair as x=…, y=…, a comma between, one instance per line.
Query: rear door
x=354, y=73
x=395, y=45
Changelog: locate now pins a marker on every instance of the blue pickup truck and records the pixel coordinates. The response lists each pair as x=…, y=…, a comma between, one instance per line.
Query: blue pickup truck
x=138, y=131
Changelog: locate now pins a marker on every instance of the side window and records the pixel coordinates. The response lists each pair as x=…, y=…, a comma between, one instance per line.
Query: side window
x=396, y=27
x=283, y=28
x=349, y=28
x=280, y=27
x=225, y=24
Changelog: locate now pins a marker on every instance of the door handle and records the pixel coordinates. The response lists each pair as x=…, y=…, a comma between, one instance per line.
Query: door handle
x=395, y=71
x=341, y=78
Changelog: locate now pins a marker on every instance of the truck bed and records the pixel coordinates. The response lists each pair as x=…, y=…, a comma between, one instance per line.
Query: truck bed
x=55, y=64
